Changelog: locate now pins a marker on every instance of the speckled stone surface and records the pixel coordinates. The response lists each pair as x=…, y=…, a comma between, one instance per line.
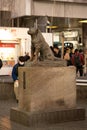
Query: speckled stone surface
x=46, y=88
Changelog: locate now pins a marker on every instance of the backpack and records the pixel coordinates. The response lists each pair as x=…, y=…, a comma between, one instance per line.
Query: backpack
x=77, y=61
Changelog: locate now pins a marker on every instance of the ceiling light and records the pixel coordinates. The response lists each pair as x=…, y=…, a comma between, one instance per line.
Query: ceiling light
x=53, y=27
x=83, y=21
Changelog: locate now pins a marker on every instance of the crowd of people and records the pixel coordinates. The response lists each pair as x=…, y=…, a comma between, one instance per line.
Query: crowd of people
x=76, y=58
x=72, y=57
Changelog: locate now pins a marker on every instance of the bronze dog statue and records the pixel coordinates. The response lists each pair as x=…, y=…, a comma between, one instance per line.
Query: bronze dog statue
x=39, y=47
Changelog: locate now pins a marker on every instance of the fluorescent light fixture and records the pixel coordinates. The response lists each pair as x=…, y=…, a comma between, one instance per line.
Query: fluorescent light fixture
x=83, y=21
x=53, y=27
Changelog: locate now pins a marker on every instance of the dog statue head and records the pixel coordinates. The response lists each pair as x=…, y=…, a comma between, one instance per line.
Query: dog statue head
x=32, y=31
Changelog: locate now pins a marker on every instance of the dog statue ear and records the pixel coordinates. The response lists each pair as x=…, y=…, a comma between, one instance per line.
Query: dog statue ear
x=36, y=28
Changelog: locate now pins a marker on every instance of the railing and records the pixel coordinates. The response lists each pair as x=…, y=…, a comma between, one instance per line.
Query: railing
x=81, y=82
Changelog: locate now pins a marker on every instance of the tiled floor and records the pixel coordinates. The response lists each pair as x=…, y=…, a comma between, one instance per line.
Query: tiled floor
x=7, y=124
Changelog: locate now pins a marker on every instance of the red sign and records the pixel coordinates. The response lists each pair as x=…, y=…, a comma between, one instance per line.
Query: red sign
x=12, y=45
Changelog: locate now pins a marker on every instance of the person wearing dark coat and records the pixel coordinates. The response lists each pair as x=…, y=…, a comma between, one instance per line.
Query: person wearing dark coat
x=20, y=63
x=57, y=52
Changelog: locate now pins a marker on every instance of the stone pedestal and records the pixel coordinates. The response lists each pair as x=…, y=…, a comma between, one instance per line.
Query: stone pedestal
x=44, y=88
x=47, y=93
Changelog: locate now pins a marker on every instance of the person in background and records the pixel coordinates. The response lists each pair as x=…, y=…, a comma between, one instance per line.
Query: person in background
x=81, y=52
x=67, y=56
x=85, y=60
x=78, y=62
x=57, y=52
x=21, y=62
x=1, y=63
x=71, y=54
x=27, y=57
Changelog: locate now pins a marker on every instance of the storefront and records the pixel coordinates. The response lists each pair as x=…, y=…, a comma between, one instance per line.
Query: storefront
x=13, y=43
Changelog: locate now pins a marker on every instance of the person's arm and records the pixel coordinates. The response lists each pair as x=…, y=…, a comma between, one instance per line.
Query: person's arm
x=14, y=74
x=82, y=59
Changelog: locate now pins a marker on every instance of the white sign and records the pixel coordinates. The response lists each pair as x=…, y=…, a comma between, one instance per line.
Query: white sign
x=70, y=34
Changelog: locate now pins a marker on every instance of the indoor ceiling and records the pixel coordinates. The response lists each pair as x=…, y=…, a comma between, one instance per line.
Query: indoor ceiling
x=59, y=23
x=66, y=23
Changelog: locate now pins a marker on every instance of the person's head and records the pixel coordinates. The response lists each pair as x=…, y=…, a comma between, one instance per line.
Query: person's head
x=21, y=60
x=56, y=49
x=76, y=51
x=80, y=51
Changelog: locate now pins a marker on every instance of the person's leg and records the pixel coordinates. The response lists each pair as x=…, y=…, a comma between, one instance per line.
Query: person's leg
x=77, y=70
x=16, y=84
x=81, y=71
